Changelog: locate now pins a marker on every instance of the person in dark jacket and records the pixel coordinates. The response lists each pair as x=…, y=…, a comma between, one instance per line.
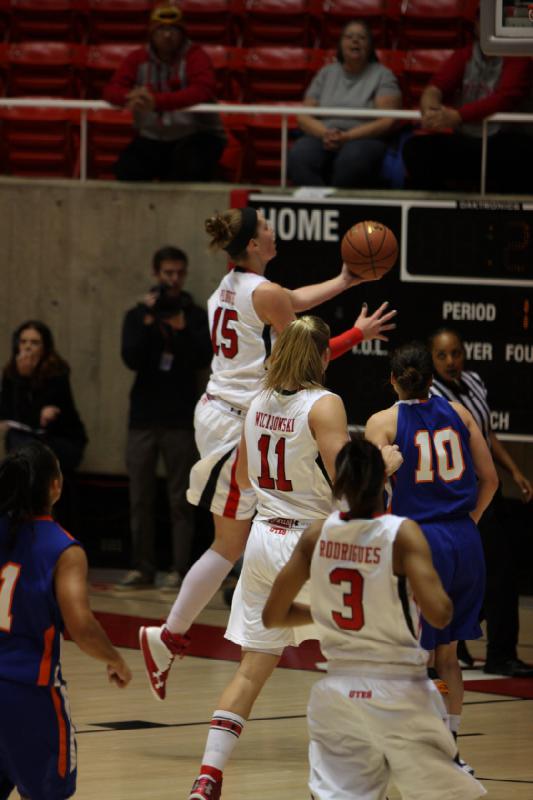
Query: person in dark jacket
x=36, y=398
x=157, y=82
x=165, y=341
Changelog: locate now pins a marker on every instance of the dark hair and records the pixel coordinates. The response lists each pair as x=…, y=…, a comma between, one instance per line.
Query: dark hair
x=447, y=330
x=25, y=478
x=372, y=48
x=359, y=476
x=168, y=253
x=51, y=362
x=412, y=367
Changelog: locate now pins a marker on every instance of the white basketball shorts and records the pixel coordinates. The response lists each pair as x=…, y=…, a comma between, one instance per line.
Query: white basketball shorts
x=212, y=483
x=365, y=731
x=269, y=547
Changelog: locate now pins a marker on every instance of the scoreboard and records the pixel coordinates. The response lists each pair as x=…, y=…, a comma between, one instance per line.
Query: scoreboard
x=466, y=265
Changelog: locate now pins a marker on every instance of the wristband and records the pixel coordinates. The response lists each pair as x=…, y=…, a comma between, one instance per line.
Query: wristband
x=345, y=341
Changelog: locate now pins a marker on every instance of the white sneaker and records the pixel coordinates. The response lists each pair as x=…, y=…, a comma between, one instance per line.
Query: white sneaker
x=134, y=579
x=171, y=582
x=159, y=648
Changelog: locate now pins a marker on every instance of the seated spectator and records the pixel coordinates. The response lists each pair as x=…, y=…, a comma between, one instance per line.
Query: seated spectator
x=469, y=87
x=36, y=398
x=344, y=151
x=156, y=82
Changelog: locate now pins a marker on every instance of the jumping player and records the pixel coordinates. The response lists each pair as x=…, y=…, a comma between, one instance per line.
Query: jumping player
x=376, y=716
x=245, y=312
x=445, y=483
x=43, y=587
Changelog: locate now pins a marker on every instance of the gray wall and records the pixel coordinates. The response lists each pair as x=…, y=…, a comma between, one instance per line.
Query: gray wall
x=77, y=257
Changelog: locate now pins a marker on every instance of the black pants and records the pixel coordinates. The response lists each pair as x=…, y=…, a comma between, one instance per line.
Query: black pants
x=179, y=453
x=501, y=594
x=437, y=161
x=193, y=158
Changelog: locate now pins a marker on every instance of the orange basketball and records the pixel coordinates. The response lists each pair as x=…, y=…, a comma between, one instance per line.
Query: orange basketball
x=369, y=249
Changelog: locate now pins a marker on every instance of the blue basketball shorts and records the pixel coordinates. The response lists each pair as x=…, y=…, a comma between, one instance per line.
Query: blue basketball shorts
x=458, y=558
x=37, y=744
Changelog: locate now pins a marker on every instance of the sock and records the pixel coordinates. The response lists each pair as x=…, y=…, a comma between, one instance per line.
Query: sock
x=224, y=733
x=200, y=584
x=454, y=720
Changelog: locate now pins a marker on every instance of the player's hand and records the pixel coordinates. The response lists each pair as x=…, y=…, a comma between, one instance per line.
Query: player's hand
x=375, y=325
x=392, y=457
x=48, y=415
x=348, y=278
x=119, y=673
x=526, y=490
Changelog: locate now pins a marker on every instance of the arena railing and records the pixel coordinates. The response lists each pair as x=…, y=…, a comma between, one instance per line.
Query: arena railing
x=282, y=110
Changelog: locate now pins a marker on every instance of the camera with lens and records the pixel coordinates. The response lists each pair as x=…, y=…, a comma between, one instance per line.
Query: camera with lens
x=166, y=304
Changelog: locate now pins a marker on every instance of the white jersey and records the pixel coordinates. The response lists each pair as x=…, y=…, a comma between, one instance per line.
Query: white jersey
x=362, y=610
x=284, y=464
x=241, y=341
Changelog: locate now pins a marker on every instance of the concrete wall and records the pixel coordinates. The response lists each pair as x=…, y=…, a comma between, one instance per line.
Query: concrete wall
x=77, y=257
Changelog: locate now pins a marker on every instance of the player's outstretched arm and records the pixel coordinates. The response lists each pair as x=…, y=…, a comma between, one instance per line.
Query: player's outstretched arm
x=280, y=610
x=483, y=463
x=70, y=581
x=307, y=297
x=365, y=327
x=412, y=558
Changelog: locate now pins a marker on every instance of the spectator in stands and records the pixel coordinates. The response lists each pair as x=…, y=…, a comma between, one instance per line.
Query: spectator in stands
x=469, y=87
x=36, y=399
x=344, y=151
x=156, y=82
x=165, y=341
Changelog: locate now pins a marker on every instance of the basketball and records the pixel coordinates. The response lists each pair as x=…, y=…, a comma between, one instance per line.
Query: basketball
x=369, y=250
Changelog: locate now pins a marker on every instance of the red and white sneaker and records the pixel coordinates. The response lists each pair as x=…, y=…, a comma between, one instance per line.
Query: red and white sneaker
x=159, y=648
x=205, y=787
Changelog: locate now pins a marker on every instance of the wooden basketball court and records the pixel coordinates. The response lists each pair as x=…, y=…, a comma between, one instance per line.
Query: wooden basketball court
x=131, y=747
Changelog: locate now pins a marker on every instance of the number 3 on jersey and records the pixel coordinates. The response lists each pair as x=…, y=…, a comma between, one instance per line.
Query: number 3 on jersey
x=9, y=575
x=352, y=599
x=224, y=337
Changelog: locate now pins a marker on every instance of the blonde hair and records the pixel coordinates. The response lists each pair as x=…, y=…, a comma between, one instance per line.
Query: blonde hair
x=223, y=228
x=296, y=359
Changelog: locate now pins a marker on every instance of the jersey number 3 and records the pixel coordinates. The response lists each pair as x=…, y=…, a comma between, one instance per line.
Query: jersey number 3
x=9, y=575
x=353, y=599
x=223, y=337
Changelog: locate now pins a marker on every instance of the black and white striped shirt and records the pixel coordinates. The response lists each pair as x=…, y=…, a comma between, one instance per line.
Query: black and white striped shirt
x=471, y=392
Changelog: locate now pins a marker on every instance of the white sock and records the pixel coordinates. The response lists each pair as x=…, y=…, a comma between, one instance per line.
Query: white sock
x=199, y=585
x=454, y=720
x=224, y=733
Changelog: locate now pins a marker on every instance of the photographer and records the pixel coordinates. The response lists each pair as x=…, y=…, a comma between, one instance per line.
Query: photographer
x=165, y=341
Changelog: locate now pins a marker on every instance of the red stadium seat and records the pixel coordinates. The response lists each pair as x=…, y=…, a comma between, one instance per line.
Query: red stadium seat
x=230, y=166
x=262, y=156
x=419, y=67
x=48, y=20
x=214, y=21
x=42, y=68
x=5, y=15
x=337, y=13
x=222, y=59
x=395, y=61
x=278, y=74
x=279, y=22
x=101, y=61
x=38, y=142
x=118, y=20
x=432, y=23
x=109, y=132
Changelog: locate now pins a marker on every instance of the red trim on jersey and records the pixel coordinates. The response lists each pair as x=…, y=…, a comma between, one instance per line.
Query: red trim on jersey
x=232, y=502
x=62, y=757
x=46, y=660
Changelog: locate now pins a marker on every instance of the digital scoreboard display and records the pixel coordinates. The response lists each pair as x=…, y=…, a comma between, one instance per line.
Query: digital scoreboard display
x=467, y=265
